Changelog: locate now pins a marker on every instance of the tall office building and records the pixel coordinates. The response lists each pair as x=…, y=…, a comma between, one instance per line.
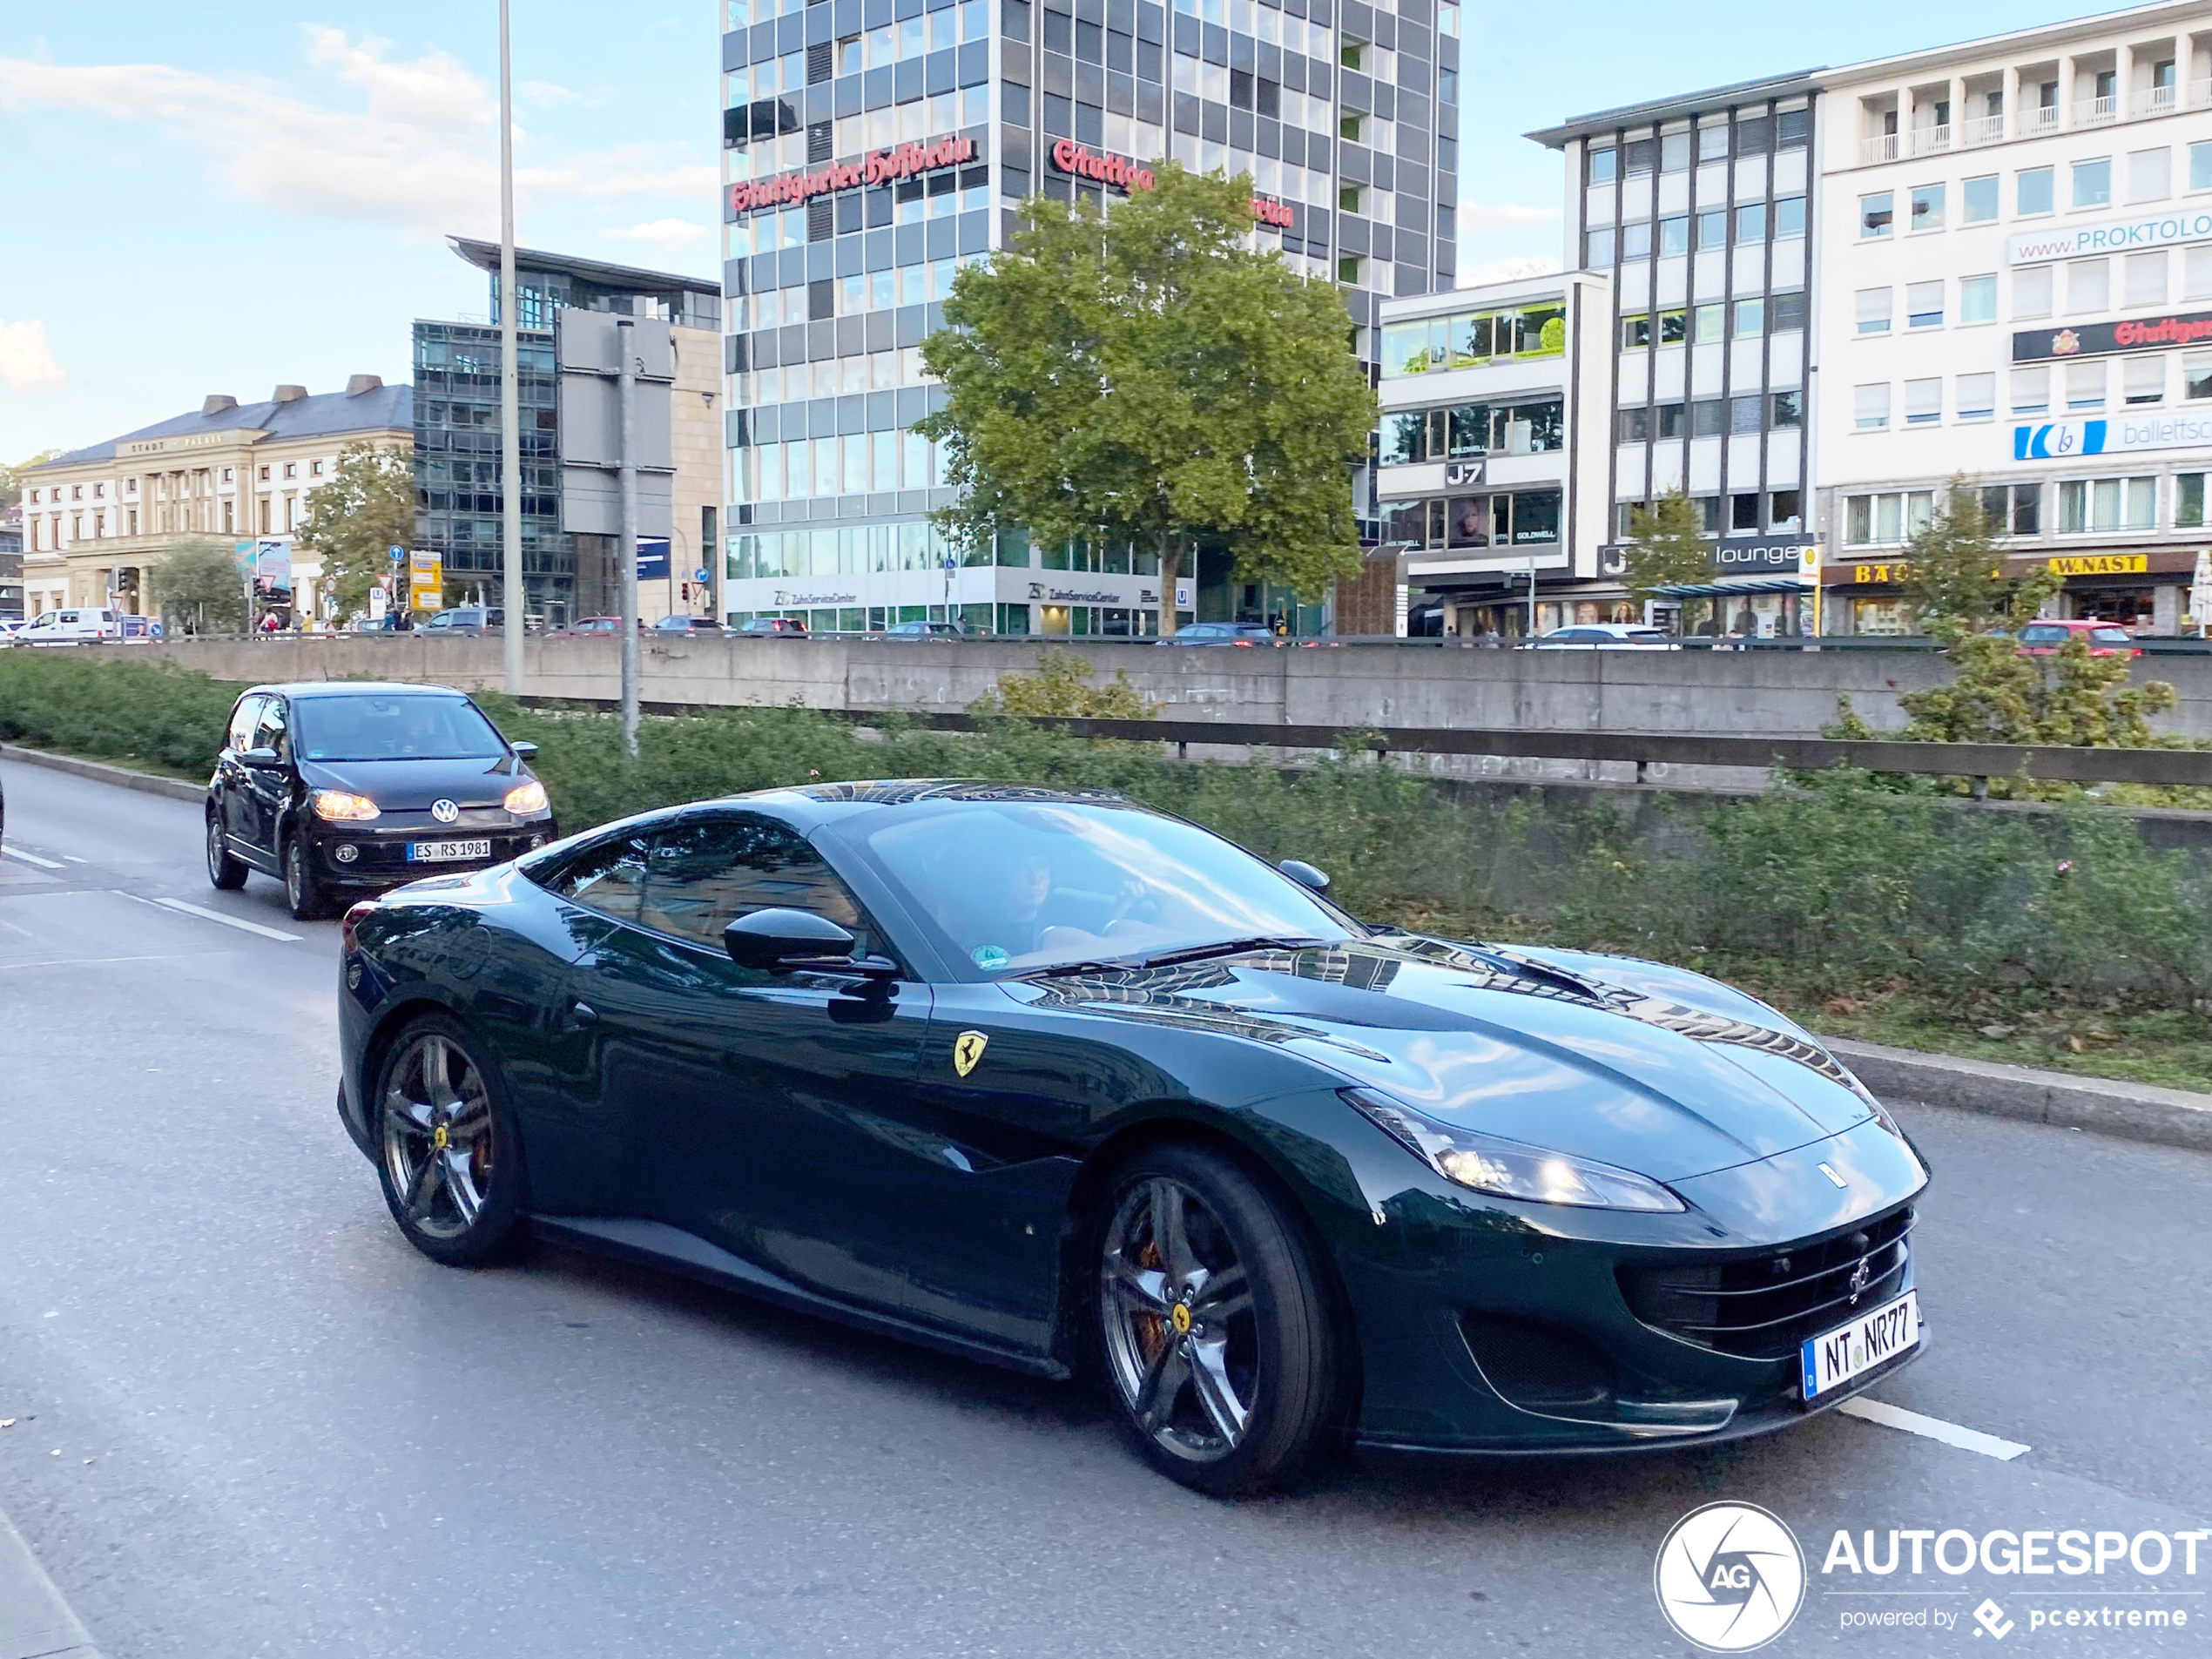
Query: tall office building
x=873, y=147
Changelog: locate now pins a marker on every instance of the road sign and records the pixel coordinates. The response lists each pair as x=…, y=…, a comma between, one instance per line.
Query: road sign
x=426, y=580
x=398, y=555
x=699, y=574
x=590, y=425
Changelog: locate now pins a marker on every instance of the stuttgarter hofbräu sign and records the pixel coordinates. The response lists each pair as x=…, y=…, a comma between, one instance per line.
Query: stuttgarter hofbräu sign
x=877, y=167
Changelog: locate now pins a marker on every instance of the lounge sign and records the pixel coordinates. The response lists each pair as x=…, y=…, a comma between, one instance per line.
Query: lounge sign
x=877, y=167
x=1124, y=175
x=2103, y=339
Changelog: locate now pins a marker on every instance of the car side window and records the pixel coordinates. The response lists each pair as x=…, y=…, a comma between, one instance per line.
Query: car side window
x=707, y=875
x=243, y=720
x=268, y=726
x=609, y=878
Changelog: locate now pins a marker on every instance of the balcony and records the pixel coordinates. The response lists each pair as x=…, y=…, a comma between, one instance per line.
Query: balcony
x=2096, y=111
x=1881, y=147
x=1931, y=140
x=2157, y=100
x=2035, y=123
x=1984, y=129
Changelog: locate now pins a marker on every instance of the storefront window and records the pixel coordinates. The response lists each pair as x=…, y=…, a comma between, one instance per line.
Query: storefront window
x=1469, y=520
x=1472, y=340
x=1404, y=439
x=1535, y=516
x=1468, y=430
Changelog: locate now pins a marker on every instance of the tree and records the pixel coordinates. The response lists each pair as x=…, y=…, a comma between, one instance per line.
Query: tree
x=1958, y=585
x=199, y=589
x=1667, y=548
x=11, y=484
x=1141, y=375
x=353, y=522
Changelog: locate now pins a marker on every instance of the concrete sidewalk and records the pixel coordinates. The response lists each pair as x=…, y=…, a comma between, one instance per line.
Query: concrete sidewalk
x=34, y=1622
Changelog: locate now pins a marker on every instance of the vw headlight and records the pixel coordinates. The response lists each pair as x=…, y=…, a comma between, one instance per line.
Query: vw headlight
x=1509, y=1168
x=525, y=798
x=340, y=807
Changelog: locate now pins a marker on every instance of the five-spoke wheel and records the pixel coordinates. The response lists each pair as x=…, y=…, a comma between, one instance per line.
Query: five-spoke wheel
x=447, y=1149
x=1213, y=1325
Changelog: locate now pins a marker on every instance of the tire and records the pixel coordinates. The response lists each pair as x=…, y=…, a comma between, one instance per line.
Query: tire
x=302, y=892
x=223, y=871
x=448, y=1154
x=1213, y=1323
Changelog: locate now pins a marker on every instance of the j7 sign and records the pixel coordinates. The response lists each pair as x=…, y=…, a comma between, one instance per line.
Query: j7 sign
x=877, y=167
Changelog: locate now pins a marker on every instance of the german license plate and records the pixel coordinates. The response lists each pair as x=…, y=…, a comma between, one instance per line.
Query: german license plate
x=444, y=852
x=1872, y=1340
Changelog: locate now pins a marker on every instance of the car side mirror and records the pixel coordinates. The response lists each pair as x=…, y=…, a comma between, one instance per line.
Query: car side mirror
x=524, y=751
x=782, y=941
x=1305, y=874
x=261, y=760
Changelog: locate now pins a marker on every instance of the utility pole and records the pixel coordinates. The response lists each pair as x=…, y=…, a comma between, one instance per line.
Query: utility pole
x=626, y=544
x=510, y=395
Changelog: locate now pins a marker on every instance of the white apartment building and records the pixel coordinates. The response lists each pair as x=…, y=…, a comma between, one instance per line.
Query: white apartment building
x=2015, y=289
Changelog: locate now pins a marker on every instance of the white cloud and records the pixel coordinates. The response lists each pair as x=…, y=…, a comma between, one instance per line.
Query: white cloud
x=547, y=94
x=669, y=235
x=27, y=358
x=1502, y=216
x=1506, y=271
x=421, y=157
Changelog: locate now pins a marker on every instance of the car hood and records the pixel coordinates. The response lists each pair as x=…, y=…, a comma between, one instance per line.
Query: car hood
x=1633, y=1063
x=411, y=786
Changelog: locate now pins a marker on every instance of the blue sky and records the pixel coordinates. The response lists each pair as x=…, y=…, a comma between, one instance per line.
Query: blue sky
x=221, y=197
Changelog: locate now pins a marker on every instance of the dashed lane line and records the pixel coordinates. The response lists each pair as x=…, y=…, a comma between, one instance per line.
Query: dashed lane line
x=239, y=922
x=32, y=857
x=1966, y=1439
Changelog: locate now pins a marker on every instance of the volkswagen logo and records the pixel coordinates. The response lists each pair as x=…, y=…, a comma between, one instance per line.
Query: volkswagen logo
x=444, y=811
x=1730, y=1577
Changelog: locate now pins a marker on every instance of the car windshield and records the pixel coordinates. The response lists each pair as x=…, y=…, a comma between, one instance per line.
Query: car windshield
x=392, y=728
x=2110, y=635
x=1019, y=886
x=2033, y=635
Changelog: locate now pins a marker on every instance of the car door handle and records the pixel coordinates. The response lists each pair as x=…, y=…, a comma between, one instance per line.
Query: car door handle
x=579, y=1015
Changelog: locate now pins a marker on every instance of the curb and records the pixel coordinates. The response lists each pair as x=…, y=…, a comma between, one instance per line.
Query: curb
x=2100, y=1105
x=34, y=1622
x=100, y=772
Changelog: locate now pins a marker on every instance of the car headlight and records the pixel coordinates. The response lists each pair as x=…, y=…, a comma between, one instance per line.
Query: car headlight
x=525, y=798
x=1509, y=1168
x=341, y=808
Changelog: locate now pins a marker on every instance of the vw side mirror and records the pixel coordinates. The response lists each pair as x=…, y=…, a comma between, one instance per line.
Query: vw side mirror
x=524, y=751
x=261, y=760
x=1305, y=874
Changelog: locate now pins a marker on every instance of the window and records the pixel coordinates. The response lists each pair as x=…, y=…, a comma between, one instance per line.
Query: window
x=1668, y=421
x=2084, y=385
x=1977, y=298
x=1788, y=409
x=315, y=468
x=1788, y=310
x=2092, y=183
x=2197, y=274
x=2088, y=285
x=1887, y=521
x=2147, y=278
x=291, y=469
x=1751, y=319
x=2150, y=175
x=2189, y=500
x=1348, y=269
x=1877, y=213
x=1710, y=323
x=1796, y=129
x=1750, y=222
x=2200, y=166
x=1744, y=415
x=1927, y=208
x=2013, y=509
x=1708, y=418
x=1642, y=154
x=1712, y=229
x=2196, y=377
x=1924, y=305
x=1742, y=514
x=2033, y=190
x=1674, y=235
x=1789, y=218
x=1977, y=200
x=1782, y=510
x=2031, y=391
x=1923, y=402
x=1870, y=407
x=1604, y=165
x=2088, y=506
x=1635, y=424
x=1977, y=397
x=1351, y=198
x=1636, y=332
x=702, y=877
x=1673, y=327
x=1348, y=53
x=1636, y=240
x=1712, y=142
x=2142, y=379
x=2032, y=292
x=1674, y=152
x=1597, y=251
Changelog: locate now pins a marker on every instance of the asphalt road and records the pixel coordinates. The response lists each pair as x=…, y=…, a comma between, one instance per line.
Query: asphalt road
x=252, y=1421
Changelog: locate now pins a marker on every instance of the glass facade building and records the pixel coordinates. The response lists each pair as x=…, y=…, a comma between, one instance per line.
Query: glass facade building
x=872, y=147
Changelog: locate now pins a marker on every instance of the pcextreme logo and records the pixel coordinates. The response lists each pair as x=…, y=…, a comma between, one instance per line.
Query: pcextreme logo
x=1730, y=1577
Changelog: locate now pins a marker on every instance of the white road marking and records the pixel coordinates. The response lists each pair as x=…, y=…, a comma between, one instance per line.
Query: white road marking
x=72, y=859
x=32, y=857
x=227, y=921
x=1966, y=1439
x=97, y=961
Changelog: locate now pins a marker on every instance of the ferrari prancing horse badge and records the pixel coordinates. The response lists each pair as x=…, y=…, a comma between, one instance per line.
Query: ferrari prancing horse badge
x=968, y=1048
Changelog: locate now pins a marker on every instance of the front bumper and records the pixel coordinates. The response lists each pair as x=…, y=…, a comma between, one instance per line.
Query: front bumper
x=378, y=849
x=1483, y=1333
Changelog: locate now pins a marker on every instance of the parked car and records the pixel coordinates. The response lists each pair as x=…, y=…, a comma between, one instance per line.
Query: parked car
x=1602, y=636
x=685, y=625
x=344, y=787
x=763, y=625
x=2043, y=638
x=81, y=625
x=1248, y=634
x=594, y=628
x=473, y=620
x=10, y=627
x=912, y=631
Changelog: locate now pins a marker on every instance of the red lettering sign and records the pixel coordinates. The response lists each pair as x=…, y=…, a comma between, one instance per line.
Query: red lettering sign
x=1070, y=156
x=2166, y=331
x=879, y=167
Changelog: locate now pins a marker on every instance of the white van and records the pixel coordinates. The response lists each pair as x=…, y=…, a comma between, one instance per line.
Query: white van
x=74, y=627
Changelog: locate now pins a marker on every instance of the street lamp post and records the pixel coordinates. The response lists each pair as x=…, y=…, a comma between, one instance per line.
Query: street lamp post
x=510, y=414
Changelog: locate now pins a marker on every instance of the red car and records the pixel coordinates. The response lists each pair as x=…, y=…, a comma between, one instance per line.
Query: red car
x=2105, y=639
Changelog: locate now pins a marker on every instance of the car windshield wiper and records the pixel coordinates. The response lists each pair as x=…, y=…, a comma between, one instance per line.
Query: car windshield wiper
x=1232, y=948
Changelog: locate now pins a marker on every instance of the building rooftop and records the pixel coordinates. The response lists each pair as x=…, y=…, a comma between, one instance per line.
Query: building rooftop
x=485, y=256
x=1797, y=83
x=374, y=408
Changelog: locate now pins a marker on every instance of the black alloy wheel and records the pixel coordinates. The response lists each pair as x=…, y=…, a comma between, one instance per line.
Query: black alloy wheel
x=1214, y=1325
x=448, y=1154
x=223, y=871
x=301, y=891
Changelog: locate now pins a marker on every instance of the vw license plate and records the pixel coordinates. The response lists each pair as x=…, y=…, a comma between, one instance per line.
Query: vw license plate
x=1835, y=1357
x=441, y=851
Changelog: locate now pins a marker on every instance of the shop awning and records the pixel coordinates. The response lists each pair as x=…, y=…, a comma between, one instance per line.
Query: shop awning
x=1721, y=589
